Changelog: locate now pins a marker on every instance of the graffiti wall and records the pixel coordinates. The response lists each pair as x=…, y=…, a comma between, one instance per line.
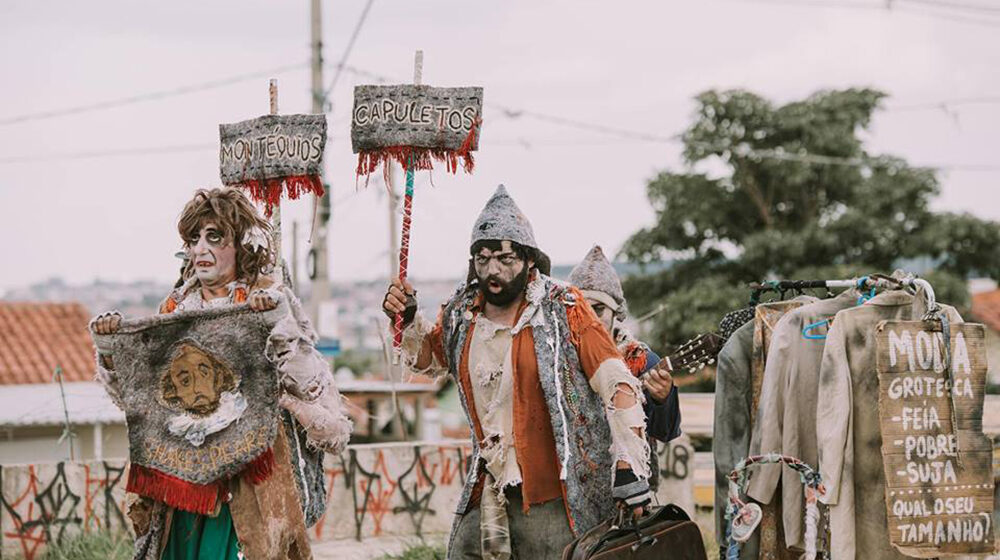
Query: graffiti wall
x=374, y=490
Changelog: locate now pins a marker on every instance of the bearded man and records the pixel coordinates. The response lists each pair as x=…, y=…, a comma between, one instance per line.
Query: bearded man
x=598, y=281
x=227, y=261
x=557, y=422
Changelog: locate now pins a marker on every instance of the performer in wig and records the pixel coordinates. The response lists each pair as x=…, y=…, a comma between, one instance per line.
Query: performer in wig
x=262, y=511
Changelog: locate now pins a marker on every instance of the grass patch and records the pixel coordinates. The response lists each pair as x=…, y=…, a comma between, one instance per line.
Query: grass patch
x=419, y=552
x=89, y=546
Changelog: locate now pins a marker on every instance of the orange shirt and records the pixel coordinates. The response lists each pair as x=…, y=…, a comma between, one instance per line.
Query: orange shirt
x=534, y=441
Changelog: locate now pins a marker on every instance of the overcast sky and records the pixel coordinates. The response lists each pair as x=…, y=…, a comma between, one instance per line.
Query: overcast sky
x=627, y=64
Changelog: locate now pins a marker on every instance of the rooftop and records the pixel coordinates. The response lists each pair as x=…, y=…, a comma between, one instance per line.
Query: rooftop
x=35, y=338
x=986, y=308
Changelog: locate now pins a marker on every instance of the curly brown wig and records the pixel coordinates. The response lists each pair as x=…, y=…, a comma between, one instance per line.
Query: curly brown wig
x=233, y=213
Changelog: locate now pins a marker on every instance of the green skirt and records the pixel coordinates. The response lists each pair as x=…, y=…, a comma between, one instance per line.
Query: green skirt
x=199, y=537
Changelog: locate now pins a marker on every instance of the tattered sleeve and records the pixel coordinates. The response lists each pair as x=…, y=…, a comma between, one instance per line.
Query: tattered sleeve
x=309, y=392
x=419, y=332
x=731, y=435
x=608, y=374
x=833, y=413
x=767, y=433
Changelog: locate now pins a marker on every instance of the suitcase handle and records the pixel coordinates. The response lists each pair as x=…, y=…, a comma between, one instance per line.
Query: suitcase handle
x=626, y=524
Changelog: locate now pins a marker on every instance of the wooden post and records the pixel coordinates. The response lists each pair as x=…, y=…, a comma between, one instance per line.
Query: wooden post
x=276, y=215
x=404, y=238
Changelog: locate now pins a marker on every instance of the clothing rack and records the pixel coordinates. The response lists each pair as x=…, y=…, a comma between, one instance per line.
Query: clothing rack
x=874, y=281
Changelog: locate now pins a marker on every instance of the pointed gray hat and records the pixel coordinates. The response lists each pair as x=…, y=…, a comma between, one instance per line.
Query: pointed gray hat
x=501, y=219
x=596, y=274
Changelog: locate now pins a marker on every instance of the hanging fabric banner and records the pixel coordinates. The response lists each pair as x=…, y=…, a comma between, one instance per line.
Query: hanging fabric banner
x=273, y=154
x=200, y=400
x=938, y=462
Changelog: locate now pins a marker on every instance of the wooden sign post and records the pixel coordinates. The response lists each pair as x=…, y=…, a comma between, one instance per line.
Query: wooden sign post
x=938, y=462
x=414, y=125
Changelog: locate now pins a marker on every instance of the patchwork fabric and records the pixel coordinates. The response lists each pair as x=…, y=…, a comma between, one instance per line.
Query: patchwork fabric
x=200, y=399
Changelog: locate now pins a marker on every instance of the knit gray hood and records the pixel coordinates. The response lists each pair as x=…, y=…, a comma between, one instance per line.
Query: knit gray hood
x=501, y=219
x=596, y=274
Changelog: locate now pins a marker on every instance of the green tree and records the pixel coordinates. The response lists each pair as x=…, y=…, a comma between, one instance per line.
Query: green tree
x=798, y=197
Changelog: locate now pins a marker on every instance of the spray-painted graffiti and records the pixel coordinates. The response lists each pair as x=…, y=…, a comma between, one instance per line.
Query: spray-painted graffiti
x=47, y=502
x=397, y=489
x=382, y=489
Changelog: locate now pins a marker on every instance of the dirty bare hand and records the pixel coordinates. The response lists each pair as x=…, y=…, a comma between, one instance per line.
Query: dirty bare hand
x=658, y=382
x=400, y=298
x=262, y=301
x=106, y=323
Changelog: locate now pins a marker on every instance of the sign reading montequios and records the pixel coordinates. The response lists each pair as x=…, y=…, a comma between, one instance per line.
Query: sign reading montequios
x=270, y=147
x=938, y=462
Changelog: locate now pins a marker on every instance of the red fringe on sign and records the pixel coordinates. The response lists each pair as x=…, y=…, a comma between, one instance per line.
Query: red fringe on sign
x=189, y=496
x=419, y=159
x=261, y=468
x=177, y=493
x=269, y=191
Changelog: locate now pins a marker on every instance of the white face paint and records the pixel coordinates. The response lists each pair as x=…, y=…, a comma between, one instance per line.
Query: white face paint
x=604, y=313
x=213, y=256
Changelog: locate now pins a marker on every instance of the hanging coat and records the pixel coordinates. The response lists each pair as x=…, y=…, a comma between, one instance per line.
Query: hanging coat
x=847, y=426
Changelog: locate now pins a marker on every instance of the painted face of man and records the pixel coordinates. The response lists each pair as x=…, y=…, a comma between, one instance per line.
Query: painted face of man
x=195, y=381
x=502, y=274
x=603, y=312
x=213, y=255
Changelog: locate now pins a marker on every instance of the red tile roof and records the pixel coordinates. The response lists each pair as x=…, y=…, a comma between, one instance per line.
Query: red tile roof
x=37, y=337
x=986, y=308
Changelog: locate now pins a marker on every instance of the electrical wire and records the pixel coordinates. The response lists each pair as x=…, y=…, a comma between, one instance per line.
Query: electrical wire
x=97, y=154
x=981, y=8
x=347, y=50
x=152, y=96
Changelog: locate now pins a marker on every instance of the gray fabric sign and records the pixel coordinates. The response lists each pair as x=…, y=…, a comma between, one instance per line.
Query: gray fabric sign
x=412, y=115
x=272, y=146
x=200, y=397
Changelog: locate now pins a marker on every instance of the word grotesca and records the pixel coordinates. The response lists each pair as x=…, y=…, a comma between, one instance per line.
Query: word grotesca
x=417, y=116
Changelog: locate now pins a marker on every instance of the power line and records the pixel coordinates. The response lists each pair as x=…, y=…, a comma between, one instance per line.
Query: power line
x=950, y=16
x=153, y=96
x=99, y=154
x=948, y=103
x=347, y=50
x=958, y=6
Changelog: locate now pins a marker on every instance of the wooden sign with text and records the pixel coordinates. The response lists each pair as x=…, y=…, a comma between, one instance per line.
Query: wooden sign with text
x=271, y=147
x=939, y=478
x=418, y=116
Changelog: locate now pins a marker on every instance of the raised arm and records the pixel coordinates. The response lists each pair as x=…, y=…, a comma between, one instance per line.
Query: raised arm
x=421, y=350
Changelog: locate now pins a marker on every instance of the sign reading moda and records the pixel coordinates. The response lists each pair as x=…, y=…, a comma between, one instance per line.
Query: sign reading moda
x=938, y=462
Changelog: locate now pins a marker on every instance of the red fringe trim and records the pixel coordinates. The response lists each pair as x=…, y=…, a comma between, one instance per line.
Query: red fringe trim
x=268, y=192
x=177, y=493
x=635, y=359
x=420, y=159
x=188, y=496
x=261, y=468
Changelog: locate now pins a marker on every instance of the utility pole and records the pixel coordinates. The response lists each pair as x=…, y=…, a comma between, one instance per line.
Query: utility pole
x=319, y=274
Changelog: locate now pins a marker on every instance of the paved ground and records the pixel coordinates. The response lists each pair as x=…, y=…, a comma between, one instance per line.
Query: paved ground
x=371, y=549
